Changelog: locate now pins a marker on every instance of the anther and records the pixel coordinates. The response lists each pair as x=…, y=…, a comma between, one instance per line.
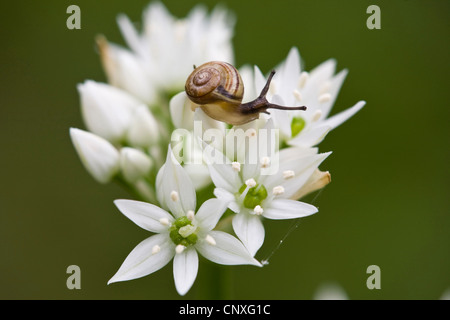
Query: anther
x=278, y=190
x=156, y=249
x=304, y=76
x=265, y=161
x=174, y=196
x=190, y=215
x=164, y=221
x=179, y=248
x=210, y=240
x=288, y=174
x=316, y=116
x=324, y=97
x=250, y=183
x=258, y=210
x=297, y=95
x=236, y=166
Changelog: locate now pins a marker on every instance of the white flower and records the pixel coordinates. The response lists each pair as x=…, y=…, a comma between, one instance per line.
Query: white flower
x=252, y=194
x=107, y=111
x=181, y=234
x=316, y=90
x=163, y=54
x=98, y=156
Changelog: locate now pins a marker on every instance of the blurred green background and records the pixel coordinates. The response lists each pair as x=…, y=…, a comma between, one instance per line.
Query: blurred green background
x=387, y=205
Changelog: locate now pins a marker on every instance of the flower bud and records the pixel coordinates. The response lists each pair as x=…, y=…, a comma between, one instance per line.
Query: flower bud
x=134, y=164
x=107, y=111
x=100, y=158
x=144, y=130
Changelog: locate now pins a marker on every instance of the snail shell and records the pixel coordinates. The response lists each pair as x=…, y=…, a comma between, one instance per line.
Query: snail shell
x=218, y=89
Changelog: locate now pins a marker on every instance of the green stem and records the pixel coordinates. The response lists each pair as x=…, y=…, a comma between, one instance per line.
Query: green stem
x=216, y=282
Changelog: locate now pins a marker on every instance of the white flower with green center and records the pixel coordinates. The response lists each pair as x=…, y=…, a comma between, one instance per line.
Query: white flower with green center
x=180, y=232
x=317, y=90
x=253, y=195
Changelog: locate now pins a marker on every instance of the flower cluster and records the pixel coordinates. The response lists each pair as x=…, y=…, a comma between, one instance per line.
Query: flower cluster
x=143, y=132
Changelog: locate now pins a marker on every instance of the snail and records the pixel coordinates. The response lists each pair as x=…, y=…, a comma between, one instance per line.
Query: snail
x=218, y=88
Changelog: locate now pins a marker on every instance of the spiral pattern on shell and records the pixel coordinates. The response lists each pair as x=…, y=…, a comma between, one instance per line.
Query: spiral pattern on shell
x=215, y=81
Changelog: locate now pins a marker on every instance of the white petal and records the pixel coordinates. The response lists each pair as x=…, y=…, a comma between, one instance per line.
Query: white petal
x=106, y=110
x=228, y=250
x=343, y=116
x=288, y=209
x=129, y=33
x=145, y=215
x=311, y=137
x=175, y=178
x=302, y=162
x=185, y=268
x=227, y=197
x=142, y=261
x=210, y=212
x=220, y=169
x=98, y=156
x=250, y=231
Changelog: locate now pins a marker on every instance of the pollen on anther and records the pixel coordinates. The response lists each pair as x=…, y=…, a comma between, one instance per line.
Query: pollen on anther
x=324, y=97
x=258, y=210
x=210, y=240
x=179, y=248
x=164, y=221
x=288, y=174
x=190, y=215
x=174, y=196
x=250, y=182
x=156, y=249
x=278, y=190
x=236, y=166
x=302, y=79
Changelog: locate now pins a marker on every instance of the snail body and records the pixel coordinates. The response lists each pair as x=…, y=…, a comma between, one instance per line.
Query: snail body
x=218, y=89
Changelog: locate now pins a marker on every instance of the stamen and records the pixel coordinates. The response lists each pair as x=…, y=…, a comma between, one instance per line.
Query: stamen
x=190, y=215
x=164, y=221
x=250, y=183
x=174, y=196
x=278, y=190
x=288, y=174
x=258, y=210
x=316, y=116
x=156, y=249
x=236, y=166
x=304, y=76
x=297, y=95
x=265, y=161
x=210, y=240
x=179, y=248
x=324, y=97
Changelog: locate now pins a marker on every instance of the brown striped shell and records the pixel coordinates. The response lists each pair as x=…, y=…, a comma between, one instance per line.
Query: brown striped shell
x=215, y=81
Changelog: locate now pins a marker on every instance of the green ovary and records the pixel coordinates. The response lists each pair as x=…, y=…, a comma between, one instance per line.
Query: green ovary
x=254, y=196
x=297, y=125
x=180, y=234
